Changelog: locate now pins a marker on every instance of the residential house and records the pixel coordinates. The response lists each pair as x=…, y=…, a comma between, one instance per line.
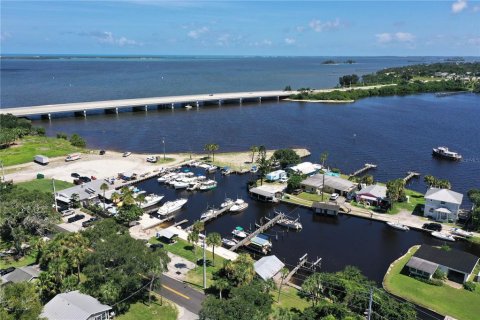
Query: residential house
x=457, y=265
x=442, y=204
x=329, y=184
x=276, y=175
x=74, y=305
x=373, y=194
x=306, y=168
x=27, y=273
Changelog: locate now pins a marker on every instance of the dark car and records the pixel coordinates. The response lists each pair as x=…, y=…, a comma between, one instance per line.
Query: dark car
x=76, y=218
x=75, y=175
x=102, y=152
x=156, y=246
x=7, y=270
x=297, y=192
x=89, y=222
x=432, y=226
x=85, y=179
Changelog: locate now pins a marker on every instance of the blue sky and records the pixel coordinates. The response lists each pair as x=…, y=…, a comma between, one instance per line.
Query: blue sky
x=317, y=28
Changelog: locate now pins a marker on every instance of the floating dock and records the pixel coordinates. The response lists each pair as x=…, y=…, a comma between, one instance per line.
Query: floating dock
x=366, y=167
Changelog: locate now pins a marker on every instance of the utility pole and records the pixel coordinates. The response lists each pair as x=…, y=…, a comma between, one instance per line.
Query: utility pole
x=204, y=263
x=3, y=172
x=54, y=195
x=163, y=141
x=370, y=304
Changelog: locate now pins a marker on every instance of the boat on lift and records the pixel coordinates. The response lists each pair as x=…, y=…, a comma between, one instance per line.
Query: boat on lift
x=239, y=232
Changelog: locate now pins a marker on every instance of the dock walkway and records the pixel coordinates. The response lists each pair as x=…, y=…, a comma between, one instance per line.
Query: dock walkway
x=410, y=175
x=366, y=167
x=264, y=227
x=214, y=216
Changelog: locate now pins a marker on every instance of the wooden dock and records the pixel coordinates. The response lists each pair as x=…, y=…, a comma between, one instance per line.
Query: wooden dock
x=258, y=231
x=214, y=216
x=411, y=175
x=366, y=167
x=300, y=264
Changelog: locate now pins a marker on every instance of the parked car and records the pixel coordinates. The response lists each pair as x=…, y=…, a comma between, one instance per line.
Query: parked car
x=102, y=152
x=75, y=175
x=334, y=196
x=6, y=270
x=432, y=226
x=85, y=179
x=152, y=159
x=68, y=212
x=76, y=218
x=283, y=179
x=126, y=154
x=73, y=157
x=156, y=246
x=89, y=222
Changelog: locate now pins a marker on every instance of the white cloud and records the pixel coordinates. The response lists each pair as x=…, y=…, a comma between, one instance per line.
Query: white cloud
x=474, y=41
x=394, y=37
x=195, y=34
x=319, y=26
x=4, y=35
x=263, y=43
x=289, y=41
x=109, y=38
x=459, y=6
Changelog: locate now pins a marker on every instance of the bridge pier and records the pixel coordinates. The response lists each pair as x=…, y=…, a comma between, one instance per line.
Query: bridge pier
x=197, y=104
x=240, y=101
x=220, y=102
x=113, y=110
x=172, y=106
x=46, y=116
x=260, y=99
x=81, y=113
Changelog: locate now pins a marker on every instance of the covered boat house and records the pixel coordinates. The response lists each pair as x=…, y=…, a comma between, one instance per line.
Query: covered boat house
x=267, y=267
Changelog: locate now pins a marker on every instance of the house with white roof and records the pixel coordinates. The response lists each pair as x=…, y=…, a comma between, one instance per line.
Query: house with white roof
x=373, y=194
x=267, y=267
x=306, y=168
x=442, y=204
x=74, y=305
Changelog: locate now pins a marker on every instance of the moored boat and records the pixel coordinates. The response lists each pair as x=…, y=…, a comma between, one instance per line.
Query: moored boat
x=208, y=213
x=443, y=236
x=289, y=223
x=150, y=200
x=239, y=232
x=398, y=226
x=171, y=206
x=227, y=203
x=208, y=185
x=462, y=233
x=229, y=242
x=239, y=206
x=180, y=185
x=443, y=152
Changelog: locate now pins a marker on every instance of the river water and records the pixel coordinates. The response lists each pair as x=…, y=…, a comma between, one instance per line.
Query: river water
x=396, y=133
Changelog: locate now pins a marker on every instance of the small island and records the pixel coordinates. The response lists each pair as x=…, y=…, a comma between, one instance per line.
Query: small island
x=330, y=61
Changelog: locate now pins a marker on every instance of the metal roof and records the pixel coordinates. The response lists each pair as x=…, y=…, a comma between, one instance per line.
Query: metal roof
x=444, y=195
x=72, y=306
x=336, y=183
x=166, y=233
x=260, y=241
x=306, y=167
x=268, y=266
x=22, y=274
x=422, y=265
x=452, y=259
x=374, y=190
x=262, y=192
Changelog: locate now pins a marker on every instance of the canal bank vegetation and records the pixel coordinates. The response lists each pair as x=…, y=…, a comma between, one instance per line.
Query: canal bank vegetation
x=446, y=300
x=158, y=309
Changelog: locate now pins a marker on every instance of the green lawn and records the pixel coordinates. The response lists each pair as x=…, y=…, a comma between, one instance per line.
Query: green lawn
x=45, y=185
x=142, y=311
x=24, y=261
x=313, y=196
x=415, y=199
x=289, y=299
x=458, y=303
x=30, y=146
x=183, y=249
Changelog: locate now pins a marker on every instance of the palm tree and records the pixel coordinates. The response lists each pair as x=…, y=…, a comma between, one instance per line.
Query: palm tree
x=104, y=187
x=214, y=239
x=115, y=197
x=221, y=284
x=283, y=275
x=253, y=150
x=78, y=248
x=323, y=158
x=429, y=180
x=192, y=238
x=214, y=147
x=208, y=148
x=140, y=199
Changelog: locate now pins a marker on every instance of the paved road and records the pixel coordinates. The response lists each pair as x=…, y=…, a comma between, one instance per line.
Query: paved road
x=181, y=294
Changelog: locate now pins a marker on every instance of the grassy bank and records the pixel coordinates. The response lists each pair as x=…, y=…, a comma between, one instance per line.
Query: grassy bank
x=415, y=202
x=458, y=303
x=44, y=185
x=30, y=146
x=155, y=310
x=289, y=299
x=28, y=259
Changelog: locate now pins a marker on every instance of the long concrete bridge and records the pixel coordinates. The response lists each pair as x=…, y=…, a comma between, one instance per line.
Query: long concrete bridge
x=113, y=106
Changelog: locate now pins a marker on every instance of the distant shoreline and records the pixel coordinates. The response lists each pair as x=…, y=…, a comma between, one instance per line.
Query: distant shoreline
x=320, y=101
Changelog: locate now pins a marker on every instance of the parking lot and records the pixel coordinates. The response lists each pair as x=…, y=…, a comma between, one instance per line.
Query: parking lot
x=76, y=225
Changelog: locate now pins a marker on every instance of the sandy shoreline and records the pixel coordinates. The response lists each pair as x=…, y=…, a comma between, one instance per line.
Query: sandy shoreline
x=113, y=163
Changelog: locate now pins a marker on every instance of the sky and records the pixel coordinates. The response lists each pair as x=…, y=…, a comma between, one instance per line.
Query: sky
x=284, y=28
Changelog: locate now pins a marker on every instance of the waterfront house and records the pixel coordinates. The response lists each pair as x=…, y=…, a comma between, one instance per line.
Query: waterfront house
x=27, y=273
x=373, y=194
x=329, y=184
x=306, y=168
x=442, y=204
x=264, y=194
x=276, y=175
x=457, y=265
x=74, y=305
x=267, y=267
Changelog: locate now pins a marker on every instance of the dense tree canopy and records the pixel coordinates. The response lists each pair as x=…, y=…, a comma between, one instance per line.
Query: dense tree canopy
x=19, y=301
x=286, y=157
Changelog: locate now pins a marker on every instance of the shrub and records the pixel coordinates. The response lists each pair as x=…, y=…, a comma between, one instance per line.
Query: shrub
x=470, y=286
x=61, y=135
x=40, y=131
x=77, y=141
x=440, y=275
x=433, y=282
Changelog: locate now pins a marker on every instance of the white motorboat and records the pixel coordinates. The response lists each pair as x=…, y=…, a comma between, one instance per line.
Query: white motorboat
x=462, y=233
x=229, y=242
x=239, y=206
x=208, y=185
x=201, y=178
x=150, y=200
x=239, y=232
x=443, y=236
x=208, y=213
x=188, y=107
x=193, y=186
x=227, y=203
x=171, y=206
x=180, y=185
x=211, y=169
x=443, y=152
x=289, y=223
x=398, y=226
